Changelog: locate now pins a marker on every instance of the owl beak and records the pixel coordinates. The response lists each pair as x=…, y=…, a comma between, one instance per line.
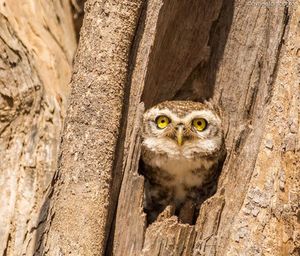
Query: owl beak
x=179, y=134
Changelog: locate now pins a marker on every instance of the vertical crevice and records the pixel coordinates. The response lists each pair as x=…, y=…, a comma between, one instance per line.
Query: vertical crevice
x=78, y=14
x=119, y=160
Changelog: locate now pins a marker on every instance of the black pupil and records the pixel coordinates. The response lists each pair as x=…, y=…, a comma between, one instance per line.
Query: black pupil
x=199, y=123
x=163, y=120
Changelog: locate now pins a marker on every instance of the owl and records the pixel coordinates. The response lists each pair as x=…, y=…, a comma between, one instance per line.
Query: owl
x=182, y=149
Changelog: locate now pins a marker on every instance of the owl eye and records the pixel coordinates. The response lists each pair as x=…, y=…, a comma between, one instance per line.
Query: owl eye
x=162, y=122
x=200, y=124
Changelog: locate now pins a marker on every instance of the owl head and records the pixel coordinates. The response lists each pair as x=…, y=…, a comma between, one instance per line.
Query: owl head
x=183, y=129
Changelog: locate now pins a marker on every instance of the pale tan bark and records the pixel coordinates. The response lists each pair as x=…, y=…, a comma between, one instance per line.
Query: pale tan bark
x=37, y=41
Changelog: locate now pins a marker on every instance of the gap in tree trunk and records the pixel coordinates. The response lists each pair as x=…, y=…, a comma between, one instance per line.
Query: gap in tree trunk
x=189, y=43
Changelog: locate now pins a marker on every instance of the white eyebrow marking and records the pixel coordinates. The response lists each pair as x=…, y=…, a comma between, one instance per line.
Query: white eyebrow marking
x=206, y=114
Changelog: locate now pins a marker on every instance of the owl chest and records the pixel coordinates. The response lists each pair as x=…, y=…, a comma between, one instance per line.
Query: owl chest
x=180, y=172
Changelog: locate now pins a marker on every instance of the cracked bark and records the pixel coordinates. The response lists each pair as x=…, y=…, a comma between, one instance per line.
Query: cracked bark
x=35, y=69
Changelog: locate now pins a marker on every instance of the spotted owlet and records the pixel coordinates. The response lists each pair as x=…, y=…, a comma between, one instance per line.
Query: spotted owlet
x=182, y=147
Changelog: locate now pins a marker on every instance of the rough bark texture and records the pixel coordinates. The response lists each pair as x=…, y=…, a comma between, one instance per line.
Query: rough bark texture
x=37, y=44
x=78, y=214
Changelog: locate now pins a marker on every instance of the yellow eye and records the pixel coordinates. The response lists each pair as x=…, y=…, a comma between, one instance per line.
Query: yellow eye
x=162, y=122
x=200, y=124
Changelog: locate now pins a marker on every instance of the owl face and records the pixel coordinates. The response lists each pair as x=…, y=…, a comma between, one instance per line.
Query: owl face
x=182, y=129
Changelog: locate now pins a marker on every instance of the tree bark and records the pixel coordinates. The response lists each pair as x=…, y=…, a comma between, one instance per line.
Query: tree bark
x=37, y=40
x=232, y=52
x=244, y=55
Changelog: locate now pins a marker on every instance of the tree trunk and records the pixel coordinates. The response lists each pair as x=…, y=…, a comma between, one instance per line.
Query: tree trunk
x=242, y=54
x=37, y=41
x=85, y=188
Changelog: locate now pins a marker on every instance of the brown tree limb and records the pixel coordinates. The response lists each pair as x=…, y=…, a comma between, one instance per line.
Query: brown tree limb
x=81, y=224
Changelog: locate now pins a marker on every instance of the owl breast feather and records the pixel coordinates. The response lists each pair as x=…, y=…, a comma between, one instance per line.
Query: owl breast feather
x=183, y=173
